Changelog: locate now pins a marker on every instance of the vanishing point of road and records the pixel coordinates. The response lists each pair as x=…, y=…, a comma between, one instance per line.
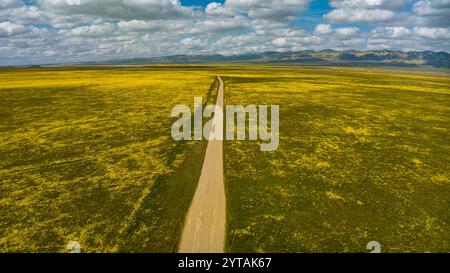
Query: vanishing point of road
x=204, y=229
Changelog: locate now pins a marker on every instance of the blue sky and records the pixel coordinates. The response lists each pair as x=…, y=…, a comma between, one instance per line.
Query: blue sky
x=314, y=15
x=45, y=31
x=198, y=2
x=308, y=20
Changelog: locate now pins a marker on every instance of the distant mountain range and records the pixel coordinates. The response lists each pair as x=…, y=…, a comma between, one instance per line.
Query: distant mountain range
x=324, y=57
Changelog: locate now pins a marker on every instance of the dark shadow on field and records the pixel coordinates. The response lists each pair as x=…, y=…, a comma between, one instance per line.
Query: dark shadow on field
x=158, y=224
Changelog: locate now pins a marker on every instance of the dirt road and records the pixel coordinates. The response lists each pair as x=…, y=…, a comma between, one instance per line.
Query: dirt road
x=204, y=230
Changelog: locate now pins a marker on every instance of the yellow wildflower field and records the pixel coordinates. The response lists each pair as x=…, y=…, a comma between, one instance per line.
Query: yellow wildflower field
x=84, y=150
x=363, y=156
x=87, y=156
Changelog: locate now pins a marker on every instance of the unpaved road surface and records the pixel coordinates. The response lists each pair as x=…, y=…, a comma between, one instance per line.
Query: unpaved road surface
x=204, y=229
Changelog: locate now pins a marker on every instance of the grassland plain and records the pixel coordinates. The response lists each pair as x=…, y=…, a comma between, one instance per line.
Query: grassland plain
x=363, y=157
x=86, y=155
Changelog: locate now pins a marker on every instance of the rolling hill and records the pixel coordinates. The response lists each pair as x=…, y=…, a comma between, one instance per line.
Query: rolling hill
x=326, y=57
